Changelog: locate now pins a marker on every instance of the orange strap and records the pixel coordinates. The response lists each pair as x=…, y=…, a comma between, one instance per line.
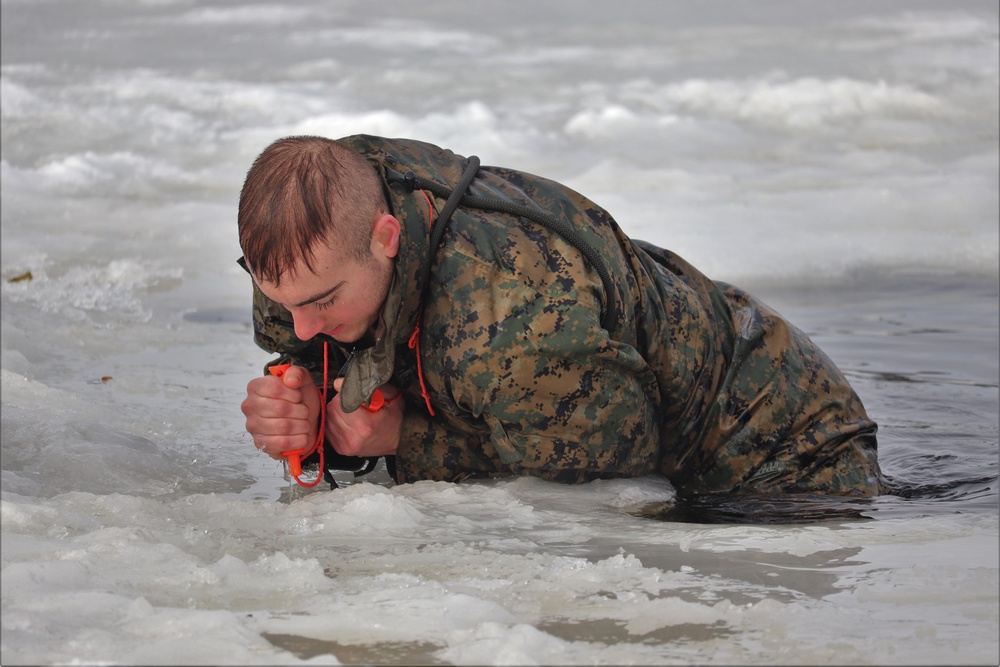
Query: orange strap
x=379, y=401
x=415, y=345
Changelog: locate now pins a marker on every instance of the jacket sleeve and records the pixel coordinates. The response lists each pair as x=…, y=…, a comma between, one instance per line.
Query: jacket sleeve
x=432, y=449
x=573, y=405
x=528, y=369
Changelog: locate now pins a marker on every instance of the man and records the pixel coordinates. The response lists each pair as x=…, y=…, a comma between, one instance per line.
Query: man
x=513, y=329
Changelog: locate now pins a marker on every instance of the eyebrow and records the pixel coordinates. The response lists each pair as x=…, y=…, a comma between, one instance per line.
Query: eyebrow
x=320, y=296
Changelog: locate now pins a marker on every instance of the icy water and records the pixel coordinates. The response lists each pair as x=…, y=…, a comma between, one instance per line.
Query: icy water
x=838, y=159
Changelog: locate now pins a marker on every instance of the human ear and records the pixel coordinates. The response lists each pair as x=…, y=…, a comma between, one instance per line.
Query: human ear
x=385, y=236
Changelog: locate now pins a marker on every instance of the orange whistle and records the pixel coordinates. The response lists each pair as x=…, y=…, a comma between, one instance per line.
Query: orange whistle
x=376, y=403
x=294, y=456
x=279, y=370
x=294, y=461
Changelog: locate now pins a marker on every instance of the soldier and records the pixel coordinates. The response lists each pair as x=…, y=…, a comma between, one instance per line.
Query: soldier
x=510, y=327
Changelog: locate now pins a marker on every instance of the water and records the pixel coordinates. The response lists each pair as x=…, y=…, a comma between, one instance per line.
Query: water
x=840, y=160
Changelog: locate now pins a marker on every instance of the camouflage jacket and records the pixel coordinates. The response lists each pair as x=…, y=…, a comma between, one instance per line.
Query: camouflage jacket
x=689, y=378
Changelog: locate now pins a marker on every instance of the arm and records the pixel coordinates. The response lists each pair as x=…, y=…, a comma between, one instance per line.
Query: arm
x=537, y=388
x=573, y=405
x=431, y=448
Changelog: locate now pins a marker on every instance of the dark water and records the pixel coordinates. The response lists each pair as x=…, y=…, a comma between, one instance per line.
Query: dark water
x=904, y=501
x=922, y=352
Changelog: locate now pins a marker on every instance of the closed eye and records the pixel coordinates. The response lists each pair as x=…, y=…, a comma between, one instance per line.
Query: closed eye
x=329, y=295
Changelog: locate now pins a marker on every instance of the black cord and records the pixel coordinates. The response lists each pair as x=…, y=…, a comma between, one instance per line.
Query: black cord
x=455, y=197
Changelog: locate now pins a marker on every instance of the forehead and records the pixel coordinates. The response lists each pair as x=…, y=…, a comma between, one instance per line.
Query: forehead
x=299, y=283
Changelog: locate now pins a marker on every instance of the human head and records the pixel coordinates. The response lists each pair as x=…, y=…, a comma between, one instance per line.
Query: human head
x=302, y=192
x=313, y=212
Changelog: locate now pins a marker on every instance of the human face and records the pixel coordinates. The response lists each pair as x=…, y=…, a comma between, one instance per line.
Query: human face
x=343, y=297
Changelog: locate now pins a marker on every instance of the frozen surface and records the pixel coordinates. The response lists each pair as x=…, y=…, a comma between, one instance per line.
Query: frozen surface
x=838, y=159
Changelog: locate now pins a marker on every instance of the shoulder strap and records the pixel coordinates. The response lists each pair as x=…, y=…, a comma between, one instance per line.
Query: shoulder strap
x=456, y=197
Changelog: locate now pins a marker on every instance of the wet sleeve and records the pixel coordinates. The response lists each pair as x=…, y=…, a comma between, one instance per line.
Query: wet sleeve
x=431, y=449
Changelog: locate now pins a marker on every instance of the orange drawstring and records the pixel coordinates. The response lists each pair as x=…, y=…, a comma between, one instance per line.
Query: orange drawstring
x=415, y=336
x=415, y=345
x=430, y=207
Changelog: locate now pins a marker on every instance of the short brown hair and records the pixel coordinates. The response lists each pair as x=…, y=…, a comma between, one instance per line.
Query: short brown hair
x=302, y=191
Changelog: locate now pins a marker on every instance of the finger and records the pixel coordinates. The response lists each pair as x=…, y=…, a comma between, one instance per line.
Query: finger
x=348, y=432
x=261, y=411
x=275, y=445
x=267, y=390
x=297, y=377
x=278, y=427
x=271, y=398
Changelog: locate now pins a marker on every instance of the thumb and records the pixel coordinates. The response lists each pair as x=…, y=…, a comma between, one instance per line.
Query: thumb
x=337, y=384
x=297, y=377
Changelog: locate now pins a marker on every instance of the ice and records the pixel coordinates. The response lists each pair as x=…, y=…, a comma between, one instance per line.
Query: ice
x=264, y=14
x=803, y=104
x=840, y=158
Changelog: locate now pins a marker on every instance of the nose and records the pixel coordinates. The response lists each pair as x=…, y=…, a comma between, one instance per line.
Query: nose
x=306, y=326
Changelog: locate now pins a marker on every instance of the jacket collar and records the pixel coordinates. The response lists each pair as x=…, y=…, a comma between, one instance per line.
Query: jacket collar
x=373, y=366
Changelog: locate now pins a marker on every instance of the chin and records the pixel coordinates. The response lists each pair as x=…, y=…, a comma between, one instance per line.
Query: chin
x=364, y=339
x=341, y=337
x=346, y=337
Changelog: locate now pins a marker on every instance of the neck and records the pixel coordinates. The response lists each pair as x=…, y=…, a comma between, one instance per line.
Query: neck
x=372, y=336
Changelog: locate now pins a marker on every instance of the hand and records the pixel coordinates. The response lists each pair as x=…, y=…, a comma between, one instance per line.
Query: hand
x=282, y=413
x=364, y=433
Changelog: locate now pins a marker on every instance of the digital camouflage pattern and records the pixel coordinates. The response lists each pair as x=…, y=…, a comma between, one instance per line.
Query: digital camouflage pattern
x=695, y=380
